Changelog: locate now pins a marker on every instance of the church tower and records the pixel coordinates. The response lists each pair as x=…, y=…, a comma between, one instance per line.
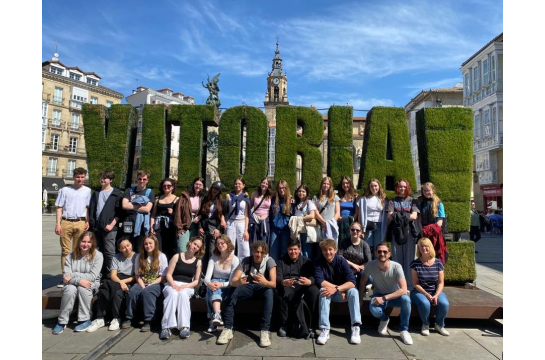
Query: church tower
x=277, y=88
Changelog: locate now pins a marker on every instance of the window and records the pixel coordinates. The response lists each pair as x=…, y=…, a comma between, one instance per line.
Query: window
x=79, y=98
x=56, y=70
x=55, y=142
x=109, y=104
x=75, y=121
x=486, y=77
x=75, y=76
x=52, y=166
x=494, y=120
x=73, y=147
x=43, y=139
x=57, y=95
x=44, y=113
x=467, y=89
x=477, y=126
x=92, y=81
x=56, y=121
x=493, y=68
x=486, y=122
x=71, y=167
x=475, y=78
x=94, y=100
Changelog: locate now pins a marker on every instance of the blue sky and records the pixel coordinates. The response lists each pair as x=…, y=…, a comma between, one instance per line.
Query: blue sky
x=365, y=53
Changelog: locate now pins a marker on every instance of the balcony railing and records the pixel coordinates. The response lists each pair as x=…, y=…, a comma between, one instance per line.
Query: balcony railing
x=58, y=100
x=46, y=96
x=75, y=105
x=488, y=142
x=76, y=127
x=488, y=177
x=56, y=123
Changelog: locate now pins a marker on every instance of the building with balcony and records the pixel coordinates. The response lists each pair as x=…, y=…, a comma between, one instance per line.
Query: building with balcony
x=143, y=95
x=433, y=98
x=483, y=92
x=64, y=90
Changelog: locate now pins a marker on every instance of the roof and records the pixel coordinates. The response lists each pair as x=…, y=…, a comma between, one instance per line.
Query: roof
x=498, y=38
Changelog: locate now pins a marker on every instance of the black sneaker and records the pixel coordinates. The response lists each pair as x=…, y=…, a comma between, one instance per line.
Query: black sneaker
x=126, y=324
x=146, y=327
x=282, y=332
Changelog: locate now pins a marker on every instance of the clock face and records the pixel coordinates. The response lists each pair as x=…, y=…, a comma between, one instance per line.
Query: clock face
x=276, y=81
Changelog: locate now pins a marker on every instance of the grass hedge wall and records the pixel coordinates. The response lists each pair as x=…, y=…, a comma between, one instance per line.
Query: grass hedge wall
x=445, y=152
x=193, y=120
x=288, y=145
x=340, y=147
x=109, y=137
x=230, y=146
x=386, y=149
x=153, y=156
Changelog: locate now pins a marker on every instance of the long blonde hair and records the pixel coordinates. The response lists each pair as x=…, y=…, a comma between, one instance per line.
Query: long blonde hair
x=380, y=193
x=92, y=251
x=287, y=198
x=330, y=193
x=143, y=259
x=434, y=205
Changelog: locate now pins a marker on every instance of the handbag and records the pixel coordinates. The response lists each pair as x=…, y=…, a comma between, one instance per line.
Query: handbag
x=371, y=226
x=201, y=288
x=252, y=213
x=311, y=222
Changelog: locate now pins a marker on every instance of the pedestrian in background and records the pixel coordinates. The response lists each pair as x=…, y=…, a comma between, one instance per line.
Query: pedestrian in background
x=474, y=225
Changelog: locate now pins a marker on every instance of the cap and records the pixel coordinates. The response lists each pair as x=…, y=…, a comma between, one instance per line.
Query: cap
x=217, y=184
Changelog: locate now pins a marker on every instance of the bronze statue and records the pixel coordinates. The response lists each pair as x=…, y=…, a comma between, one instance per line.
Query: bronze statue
x=213, y=88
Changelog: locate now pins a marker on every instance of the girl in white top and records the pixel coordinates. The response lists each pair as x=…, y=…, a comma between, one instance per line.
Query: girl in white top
x=327, y=209
x=305, y=208
x=237, y=218
x=221, y=268
x=373, y=208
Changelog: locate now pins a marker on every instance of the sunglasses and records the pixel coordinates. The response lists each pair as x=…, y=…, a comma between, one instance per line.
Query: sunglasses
x=167, y=186
x=355, y=230
x=382, y=251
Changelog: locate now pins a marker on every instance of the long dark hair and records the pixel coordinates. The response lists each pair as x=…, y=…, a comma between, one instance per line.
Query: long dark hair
x=171, y=181
x=191, y=188
x=209, y=200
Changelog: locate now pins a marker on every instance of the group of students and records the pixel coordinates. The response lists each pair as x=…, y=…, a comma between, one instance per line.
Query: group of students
x=249, y=250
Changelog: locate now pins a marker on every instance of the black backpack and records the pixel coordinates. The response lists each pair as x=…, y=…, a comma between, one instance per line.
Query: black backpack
x=303, y=323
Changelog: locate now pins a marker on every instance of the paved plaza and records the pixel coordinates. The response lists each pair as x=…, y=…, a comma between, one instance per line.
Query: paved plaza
x=469, y=339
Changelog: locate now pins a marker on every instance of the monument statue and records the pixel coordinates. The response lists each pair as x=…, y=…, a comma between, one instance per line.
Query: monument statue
x=213, y=89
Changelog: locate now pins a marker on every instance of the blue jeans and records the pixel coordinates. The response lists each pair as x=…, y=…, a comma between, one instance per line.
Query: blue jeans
x=352, y=296
x=424, y=307
x=148, y=296
x=278, y=243
x=373, y=238
x=307, y=249
x=250, y=291
x=220, y=294
x=403, y=302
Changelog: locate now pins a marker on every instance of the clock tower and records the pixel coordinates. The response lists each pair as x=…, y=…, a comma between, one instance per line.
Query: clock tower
x=277, y=88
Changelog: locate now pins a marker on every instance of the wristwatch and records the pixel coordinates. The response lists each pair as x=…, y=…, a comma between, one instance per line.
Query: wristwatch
x=337, y=288
x=384, y=298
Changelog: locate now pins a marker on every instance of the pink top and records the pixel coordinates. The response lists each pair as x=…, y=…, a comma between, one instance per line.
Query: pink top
x=263, y=209
x=195, y=203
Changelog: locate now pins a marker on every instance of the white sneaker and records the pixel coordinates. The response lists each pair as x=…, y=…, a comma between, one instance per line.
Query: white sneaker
x=441, y=330
x=406, y=337
x=217, y=320
x=265, y=339
x=97, y=323
x=355, y=338
x=225, y=336
x=425, y=330
x=324, y=336
x=383, y=327
x=114, y=325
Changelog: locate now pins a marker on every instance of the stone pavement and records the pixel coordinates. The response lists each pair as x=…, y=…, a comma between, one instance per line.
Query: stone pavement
x=469, y=339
